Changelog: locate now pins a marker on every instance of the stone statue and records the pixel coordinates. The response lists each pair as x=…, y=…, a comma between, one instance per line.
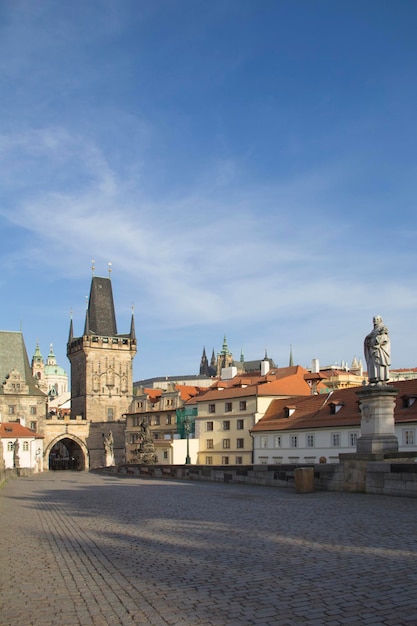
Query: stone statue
x=16, y=459
x=377, y=349
x=145, y=452
x=109, y=450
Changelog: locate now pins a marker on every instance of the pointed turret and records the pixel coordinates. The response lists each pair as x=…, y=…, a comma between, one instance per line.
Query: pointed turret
x=37, y=357
x=71, y=331
x=291, y=361
x=51, y=356
x=225, y=347
x=132, y=334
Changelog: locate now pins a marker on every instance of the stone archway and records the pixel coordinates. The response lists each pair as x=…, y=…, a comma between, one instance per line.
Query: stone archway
x=67, y=453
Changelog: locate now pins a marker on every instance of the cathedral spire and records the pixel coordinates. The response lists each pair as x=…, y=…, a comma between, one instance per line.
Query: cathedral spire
x=204, y=365
x=291, y=363
x=225, y=347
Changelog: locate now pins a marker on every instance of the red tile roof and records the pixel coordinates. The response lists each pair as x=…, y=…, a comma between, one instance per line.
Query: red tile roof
x=16, y=430
x=318, y=411
x=283, y=381
x=188, y=391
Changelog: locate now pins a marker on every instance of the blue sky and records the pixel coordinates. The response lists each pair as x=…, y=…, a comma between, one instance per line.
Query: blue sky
x=248, y=167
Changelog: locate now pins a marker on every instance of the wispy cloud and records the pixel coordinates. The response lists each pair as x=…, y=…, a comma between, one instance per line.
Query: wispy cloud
x=252, y=252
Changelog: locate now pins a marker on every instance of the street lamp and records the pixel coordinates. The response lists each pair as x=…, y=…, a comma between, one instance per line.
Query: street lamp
x=187, y=429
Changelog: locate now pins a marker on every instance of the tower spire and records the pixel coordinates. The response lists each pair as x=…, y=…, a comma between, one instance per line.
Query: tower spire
x=71, y=329
x=132, y=325
x=86, y=323
x=291, y=362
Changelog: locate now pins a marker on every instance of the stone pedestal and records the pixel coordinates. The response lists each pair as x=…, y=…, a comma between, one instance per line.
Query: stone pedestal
x=377, y=404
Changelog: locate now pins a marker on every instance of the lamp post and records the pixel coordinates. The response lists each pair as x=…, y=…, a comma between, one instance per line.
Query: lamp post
x=187, y=430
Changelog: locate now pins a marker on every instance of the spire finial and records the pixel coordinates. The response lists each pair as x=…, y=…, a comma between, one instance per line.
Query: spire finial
x=93, y=263
x=109, y=266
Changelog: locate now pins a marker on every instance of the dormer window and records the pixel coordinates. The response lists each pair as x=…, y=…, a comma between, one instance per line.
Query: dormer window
x=289, y=410
x=335, y=407
x=408, y=401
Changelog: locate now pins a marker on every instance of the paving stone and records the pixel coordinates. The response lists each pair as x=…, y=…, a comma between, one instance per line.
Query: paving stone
x=78, y=549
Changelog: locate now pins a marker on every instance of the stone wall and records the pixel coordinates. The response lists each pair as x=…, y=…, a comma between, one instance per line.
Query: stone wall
x=266, y=475
x=393, y=479
x=6, y=474
x=384, y=478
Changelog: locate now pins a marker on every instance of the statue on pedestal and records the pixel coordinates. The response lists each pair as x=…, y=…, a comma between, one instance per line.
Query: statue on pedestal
x=145, y=452
x=16, y=458
x=109, y=450
x=377, y=349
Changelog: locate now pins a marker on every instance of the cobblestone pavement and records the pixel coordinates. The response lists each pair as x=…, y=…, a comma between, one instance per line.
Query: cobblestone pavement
x=85, y=549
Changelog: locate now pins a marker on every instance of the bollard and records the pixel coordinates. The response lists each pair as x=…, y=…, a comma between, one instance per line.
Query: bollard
x=304, y=479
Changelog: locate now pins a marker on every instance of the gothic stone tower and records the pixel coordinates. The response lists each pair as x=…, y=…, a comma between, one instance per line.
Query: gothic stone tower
x=101, y=373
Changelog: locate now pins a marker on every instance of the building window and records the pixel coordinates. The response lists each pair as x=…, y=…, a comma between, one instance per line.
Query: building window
x=209, y=460
x=210, y=444
x=226, y=443
x=11, y=409
x=165, y=454
x=168, y=419
x=156, y=435
x=25, y=446
x=353, y=439
x=33, y=425
x=294, y=441
x=10, y=446
x=211, y=408
x=242, y=405
x=310, y=441
x=240, y=443
x=336, y=440
x=226, y=425
x=228, y=407
x=33, y=410
x=209, y=425
x=225, y=460
x=110, y=414
x=157, y=420
x=239, y=460
x=240, y=424
x=277, y=441
x=264, y=441
x=408, y=437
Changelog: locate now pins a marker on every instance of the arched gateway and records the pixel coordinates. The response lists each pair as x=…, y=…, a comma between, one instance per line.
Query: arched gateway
x=67, y=452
